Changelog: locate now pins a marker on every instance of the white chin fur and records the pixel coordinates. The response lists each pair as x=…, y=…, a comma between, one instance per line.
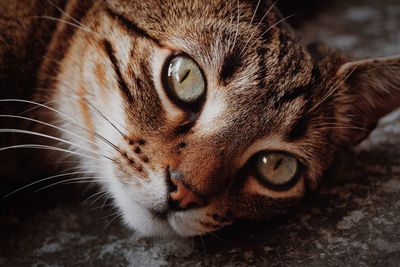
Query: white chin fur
x=184, y=224
x=146, y=224
x=137, y=217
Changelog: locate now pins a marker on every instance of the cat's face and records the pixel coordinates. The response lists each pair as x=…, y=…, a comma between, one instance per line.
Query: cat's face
x=211, y=110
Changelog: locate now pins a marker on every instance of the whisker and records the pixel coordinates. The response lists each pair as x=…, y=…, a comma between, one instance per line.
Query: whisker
x=36, y=107
x=49, y=125
x=103, y=193
x=231, y=32
x=99, y=208
x=69, y=119
x=67, y=23
x=69, y=16
x=43, y=180
x=45, y=147
x=40, y=105
x=254, y=14
x=68, y=162
x=279, y=22
x=349, y=128
x=80, y=180
x=102, y=115
x=237, y=23
x=109, y=223
x=258, y=25
x=105, y=201
x=53, y=138
x=85, y=167
x=331, y=91
x=89, y=103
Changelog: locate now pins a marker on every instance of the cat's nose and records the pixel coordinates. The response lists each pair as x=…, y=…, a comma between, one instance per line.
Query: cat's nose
x=181, y=197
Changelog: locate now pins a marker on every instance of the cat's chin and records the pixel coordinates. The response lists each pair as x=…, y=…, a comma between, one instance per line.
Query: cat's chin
x=148, y=223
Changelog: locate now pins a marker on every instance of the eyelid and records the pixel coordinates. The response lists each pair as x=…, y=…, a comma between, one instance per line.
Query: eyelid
x=272, y=144
x=253, y=186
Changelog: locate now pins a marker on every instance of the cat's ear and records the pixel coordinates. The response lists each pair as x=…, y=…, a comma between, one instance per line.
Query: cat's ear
x=372, y=91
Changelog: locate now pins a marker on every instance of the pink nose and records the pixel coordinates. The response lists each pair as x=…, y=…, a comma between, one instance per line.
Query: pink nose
x=181, y=196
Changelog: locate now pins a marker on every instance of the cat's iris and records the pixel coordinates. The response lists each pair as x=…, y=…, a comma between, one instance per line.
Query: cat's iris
x=276, y=170
x=185, y=81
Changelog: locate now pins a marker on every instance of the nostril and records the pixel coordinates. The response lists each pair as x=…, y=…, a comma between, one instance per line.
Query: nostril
x=173, y=187
x=176, y=205
x=181, y=197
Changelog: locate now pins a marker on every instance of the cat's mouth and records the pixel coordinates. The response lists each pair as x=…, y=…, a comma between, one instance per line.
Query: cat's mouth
x=173, y=210
x=190, y=222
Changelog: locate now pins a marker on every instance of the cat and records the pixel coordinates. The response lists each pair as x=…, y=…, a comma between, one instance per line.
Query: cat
x=194, y=114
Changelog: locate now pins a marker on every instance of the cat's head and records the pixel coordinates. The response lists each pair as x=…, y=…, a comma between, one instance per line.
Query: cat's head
x=203, y=112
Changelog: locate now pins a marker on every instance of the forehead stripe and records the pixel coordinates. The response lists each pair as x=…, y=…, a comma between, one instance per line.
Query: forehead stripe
x=132, y=27
x=230, y=65
x=289, y=96
x=299, y=128
x=121, y=82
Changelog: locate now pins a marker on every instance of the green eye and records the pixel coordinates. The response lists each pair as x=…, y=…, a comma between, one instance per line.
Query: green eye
x=276, y=169
x=185, y=80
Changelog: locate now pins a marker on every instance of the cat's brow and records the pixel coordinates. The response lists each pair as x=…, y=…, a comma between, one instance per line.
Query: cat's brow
x=131, y=26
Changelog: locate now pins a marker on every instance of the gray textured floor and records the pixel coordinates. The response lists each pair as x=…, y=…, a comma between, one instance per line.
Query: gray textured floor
x=352, y=222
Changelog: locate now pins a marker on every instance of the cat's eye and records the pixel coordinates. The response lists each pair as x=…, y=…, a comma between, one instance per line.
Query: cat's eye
x=184, y=80
x=276, y=170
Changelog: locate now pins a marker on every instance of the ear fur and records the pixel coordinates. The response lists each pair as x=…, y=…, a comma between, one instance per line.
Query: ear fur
x=372, y=88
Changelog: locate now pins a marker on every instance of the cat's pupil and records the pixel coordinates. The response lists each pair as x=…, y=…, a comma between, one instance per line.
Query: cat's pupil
x=276, y=168
x=185, y=76
x=185, y=81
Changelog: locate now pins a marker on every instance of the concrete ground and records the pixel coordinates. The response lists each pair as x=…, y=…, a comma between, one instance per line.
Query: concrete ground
x=353, y=221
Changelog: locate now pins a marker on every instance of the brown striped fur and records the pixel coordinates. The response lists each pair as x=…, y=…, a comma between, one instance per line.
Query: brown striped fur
x=265, y=91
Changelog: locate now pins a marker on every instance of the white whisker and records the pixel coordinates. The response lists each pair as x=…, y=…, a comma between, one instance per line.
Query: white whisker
x=45, y=147
x=256, y=28
x=51, y=126
x=53, y=138
x=67, y=118
x=90, y=104
x=109, y=223
x=80, y=180
x=331, y=91
x=237, y=24
x=101, y=194
x=278, y=22
x=71, y=17
x=44, y=180
x=67, y=23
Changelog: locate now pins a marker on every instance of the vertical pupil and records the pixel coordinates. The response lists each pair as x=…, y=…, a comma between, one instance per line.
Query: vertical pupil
x=277, y=168
x=278, y=164
x=185, y=76
x=185, y=80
